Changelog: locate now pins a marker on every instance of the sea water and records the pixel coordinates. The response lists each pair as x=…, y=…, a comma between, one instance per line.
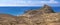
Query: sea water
x=21, y=10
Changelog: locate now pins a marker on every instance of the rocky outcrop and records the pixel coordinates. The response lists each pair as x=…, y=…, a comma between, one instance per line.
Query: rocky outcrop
x=43, y=16
x=6, y=19
x=44, y=9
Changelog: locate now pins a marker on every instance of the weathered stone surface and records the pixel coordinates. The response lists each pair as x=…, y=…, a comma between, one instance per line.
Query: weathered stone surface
x=6, y=19
x=44, y=16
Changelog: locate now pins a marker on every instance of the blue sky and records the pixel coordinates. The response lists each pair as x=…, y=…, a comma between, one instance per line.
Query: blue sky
x=29, y=2
x=38, y=2
x=19, y=3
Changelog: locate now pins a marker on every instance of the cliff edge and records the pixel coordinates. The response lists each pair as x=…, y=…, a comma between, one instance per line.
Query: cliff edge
x=43, y=16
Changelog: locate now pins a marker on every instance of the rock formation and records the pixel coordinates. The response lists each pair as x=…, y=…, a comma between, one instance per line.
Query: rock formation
x=43, y=16
x=6, y=19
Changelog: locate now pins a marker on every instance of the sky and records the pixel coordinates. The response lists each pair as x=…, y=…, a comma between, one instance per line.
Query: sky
x=13, y=6
x=29, y=2
x=38, y=2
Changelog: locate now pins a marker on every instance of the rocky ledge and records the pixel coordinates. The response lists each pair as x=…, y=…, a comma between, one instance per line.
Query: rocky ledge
x=42, y=16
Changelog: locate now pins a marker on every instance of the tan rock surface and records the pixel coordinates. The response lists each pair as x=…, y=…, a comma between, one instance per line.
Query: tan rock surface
x=6, y=19
x=44, y=16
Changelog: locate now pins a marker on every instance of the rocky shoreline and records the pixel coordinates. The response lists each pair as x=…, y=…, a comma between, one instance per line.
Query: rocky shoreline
x=43, y=16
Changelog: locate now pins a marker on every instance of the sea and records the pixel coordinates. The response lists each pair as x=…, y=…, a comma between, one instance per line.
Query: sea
x=21, y=10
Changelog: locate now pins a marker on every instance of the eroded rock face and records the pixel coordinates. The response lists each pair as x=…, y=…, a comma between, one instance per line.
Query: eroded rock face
x=6, y=19
x=45, y=19
x=43, y=10
x=44, y=16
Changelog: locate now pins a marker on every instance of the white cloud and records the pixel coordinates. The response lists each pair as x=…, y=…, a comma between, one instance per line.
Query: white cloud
x=35, y=3
x=25, y=2
x=50, y=2
x=8, y=2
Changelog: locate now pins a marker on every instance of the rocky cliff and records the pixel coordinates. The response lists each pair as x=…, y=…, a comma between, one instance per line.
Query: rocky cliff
x=43, y=16
x=6, y=19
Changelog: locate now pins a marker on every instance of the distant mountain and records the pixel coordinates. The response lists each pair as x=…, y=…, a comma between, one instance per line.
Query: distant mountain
x=43, y=16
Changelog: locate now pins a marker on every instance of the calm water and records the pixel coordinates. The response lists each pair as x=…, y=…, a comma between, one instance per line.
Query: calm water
x=20, y=10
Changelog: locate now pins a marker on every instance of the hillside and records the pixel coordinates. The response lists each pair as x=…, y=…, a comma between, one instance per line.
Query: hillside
x=6, y=19
x=43, y=16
